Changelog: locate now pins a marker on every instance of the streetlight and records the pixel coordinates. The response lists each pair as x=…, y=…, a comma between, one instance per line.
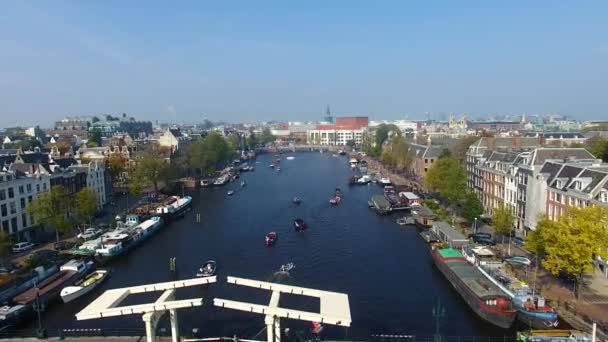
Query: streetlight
x=475, y=225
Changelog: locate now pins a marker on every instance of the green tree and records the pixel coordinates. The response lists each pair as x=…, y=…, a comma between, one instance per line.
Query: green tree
x=598, y=146
x=351, y=143
x=234, y=143
x=462, y=146
x=208, y=154
x=52, y=208
x=116, y=165
x=471, y=207
x=5, y=246
x=267, y=136
x=447, y=177
x=94, y=138
x=252, y=140
x=151, y=169
x=85, y=204
x=502, y=220
x=570, y=243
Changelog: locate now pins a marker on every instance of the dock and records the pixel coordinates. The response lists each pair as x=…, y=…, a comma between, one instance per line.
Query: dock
x=383, y=206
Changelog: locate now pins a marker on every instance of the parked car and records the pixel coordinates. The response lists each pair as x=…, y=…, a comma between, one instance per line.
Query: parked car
x=22, y=247
x=519, y=241
x=482, y=240
x=519, y=260
x=89, y=233
x=480, y=235
x=64, y=245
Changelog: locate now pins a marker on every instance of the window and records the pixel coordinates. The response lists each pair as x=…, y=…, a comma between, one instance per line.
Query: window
x=22, y=203
x=11, y=194
x=3, y=210
x=604, y=196
x=44, y=186
x=578, y=185
x=426, y=161
x=551, y=195
x=14, y=226
x=23, y=220
x=5, y=227
x=29, y=188
x=21, y=189
x=2, y=195
x=13, y=208
x=29, y=199
x=37, y=187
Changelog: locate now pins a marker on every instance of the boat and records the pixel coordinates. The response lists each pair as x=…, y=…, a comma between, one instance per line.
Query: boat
x=278, y=169
x=299, y=225
x=243, y=184
x=206, y=182
x=402, y=221
x=553, y=335
x=270, y=239
x=338, y=192
x=271, y=166
x=484, y=297
x=208, y=269
x=48, y=290
x=120, y=240
x=290, y=158
x=174, y=206
x=341, y=152
x=84, y=286
x=230, y=192
x=364, y=179
x=533, y=311
x=222, y=180
x=384, y=181
x=335, y=200
x=296, y=200
x=287, y=267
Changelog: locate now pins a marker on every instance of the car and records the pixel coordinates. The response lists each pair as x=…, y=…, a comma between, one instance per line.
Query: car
x=482, y=240
x=22, y=247
x=89, y=233
x=64, y=245
x=519, y=260
x=480, y=235
x=519, y=241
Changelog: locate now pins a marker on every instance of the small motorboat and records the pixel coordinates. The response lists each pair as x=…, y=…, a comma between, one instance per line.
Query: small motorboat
x=271, y=166
x=230, y=192
x=341, y=152
x=243, y=184
x=297, y=200
x=278, y=161
x=270, y=239
x=86, y=285
x=287, y=267
x=278, y=169
x=338, y=192
x=208, y=269
x=299, y=224
x=290, y=158
x=335, y=200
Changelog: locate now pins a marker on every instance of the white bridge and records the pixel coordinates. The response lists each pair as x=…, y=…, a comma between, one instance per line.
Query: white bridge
x=334, y=309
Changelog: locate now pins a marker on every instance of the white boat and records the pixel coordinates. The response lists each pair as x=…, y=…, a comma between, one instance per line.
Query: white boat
x=384, y=181
x=84, y=286
x=222, y=180
x=364, y=179
x=120, y=240
x=230, y=192
x=290, y=158
x=174, y=206
x=208, y=269
x=89, y=233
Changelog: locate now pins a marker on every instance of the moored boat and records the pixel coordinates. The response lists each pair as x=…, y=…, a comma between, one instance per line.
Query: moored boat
x=230, y=192
x=296, y=200
x=270, y=239
x=299, y=225
x=533, y=311
x=554, y=335
x=120, y=240
x=384, y=181
x=207, y=269
x=174, y=206
x=84, y=286
x=486, y=299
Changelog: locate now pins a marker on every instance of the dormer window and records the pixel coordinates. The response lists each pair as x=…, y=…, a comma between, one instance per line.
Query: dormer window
x=604, y=196
x=558, y=184
x=578, y=185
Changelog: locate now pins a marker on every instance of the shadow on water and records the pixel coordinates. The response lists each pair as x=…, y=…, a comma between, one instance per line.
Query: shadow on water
x=385, y=268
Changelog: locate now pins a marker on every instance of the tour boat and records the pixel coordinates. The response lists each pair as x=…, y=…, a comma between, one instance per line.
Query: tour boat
x=299, y=224
x=297, y=200
x=208, y=269
x=83, y=286
x=230, y=192
x=270, y=239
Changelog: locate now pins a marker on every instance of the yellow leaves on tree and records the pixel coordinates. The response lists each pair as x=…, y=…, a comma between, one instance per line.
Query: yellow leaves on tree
x=569, y=244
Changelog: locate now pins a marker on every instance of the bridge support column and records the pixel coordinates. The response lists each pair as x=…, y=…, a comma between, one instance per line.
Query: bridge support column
x=174, y=325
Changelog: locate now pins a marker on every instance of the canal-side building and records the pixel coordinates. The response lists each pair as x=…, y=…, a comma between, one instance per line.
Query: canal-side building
x=344, y=130
x=17, y=190
x=424, y=157
x=97, y=180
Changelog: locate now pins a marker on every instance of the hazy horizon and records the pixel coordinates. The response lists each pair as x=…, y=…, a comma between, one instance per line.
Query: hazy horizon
x=248, y=61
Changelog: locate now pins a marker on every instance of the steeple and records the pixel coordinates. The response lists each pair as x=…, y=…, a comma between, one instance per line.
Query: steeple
x=328, y=117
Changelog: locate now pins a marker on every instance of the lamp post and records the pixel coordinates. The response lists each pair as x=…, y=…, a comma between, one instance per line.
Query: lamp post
x=475, y=226
x=39, y=307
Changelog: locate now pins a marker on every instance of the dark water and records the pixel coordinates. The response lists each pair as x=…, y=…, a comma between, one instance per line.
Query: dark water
x=384, y=268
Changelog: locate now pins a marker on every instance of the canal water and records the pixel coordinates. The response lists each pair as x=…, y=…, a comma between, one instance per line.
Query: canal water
x=385, y=268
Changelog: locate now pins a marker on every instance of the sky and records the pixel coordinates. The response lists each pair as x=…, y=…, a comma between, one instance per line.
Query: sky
x=286, y=60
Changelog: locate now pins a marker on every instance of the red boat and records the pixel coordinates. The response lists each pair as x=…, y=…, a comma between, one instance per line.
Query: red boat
x=335, y=200
x=270, y=239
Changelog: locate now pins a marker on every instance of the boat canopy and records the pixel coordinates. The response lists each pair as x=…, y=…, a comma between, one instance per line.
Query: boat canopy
x=450, y=253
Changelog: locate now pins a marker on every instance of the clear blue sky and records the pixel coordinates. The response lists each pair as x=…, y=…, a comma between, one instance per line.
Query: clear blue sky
x=256, y=60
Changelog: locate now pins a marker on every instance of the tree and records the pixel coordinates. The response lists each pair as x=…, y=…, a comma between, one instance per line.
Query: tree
x=234, y=142
x=471, y=206
x=207, y=154
x=570, y=243
x=5, y=245
x=85, y=204
x=252, y=140
x=151, y=169
x=53, y=208
x=116, y=165
x=94, y=119
x=267, y=136
x=94, y=138
x=502, y=220
x=598, y=146
x=446, y=176
x=350, y=143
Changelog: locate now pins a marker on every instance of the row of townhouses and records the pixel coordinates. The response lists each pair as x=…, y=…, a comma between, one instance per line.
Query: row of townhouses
x=25, y=175
x=533, y=180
